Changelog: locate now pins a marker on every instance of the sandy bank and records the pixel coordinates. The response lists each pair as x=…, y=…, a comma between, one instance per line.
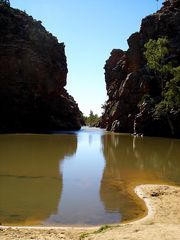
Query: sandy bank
x=161, y=223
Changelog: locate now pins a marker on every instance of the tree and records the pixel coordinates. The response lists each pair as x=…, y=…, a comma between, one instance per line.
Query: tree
x=172, y=91
x=155, y=54
x=156, y=51
x=5, y=2
x=92, y=119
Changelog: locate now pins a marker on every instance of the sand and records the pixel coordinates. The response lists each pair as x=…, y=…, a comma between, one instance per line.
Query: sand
x=162, y=222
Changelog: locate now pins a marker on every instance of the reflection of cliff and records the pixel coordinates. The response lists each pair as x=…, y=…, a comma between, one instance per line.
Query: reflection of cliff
x=131, y=161
x=30, y=178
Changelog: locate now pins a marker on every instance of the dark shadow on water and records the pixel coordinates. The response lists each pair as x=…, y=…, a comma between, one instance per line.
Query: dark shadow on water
x=131, y=161
x=30, y=178
x=83, y=177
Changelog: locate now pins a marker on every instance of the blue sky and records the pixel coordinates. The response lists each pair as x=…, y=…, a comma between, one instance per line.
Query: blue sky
x=90, y=29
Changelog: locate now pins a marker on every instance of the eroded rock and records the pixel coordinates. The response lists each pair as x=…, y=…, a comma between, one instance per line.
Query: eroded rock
x=128, y=80
x=33, y=73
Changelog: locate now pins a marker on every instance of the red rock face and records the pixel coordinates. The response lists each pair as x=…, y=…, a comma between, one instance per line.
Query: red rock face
x=128, y=79
x=33, y=73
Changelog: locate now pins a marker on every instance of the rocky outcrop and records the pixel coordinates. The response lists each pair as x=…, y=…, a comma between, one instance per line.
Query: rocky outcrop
x=128, y=78
x=33, y=73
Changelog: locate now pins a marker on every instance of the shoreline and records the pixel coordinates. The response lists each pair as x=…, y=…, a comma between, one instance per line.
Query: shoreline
x=161, y=221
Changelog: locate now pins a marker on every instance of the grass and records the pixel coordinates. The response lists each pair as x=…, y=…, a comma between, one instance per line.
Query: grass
x=100, y=230
x=83, y=235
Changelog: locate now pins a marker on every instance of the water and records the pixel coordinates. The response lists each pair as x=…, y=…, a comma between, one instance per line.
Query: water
x=80, y=178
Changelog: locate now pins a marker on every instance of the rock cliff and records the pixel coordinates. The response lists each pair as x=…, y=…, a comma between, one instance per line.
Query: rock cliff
x=128, y=78
x=33, y=73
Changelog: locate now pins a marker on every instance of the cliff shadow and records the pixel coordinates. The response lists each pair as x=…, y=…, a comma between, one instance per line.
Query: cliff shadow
x=30, y=176
x=130, y=161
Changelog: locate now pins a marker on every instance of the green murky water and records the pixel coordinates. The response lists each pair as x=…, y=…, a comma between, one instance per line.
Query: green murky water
x=80, y=178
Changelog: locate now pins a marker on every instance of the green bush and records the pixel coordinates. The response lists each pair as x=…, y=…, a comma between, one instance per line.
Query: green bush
x=155, y=54
x=172, y=91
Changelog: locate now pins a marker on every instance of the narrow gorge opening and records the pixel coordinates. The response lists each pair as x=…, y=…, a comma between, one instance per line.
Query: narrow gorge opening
x=56, y=67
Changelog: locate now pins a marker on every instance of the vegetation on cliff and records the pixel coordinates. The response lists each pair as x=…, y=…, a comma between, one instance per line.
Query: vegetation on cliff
x=143, y=82
x=156, y=53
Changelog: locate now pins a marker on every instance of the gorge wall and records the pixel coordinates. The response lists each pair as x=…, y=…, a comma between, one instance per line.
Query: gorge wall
x=33, y=73
x=128, y=78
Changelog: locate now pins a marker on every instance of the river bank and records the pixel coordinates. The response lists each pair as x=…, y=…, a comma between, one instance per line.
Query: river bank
x=161, y=222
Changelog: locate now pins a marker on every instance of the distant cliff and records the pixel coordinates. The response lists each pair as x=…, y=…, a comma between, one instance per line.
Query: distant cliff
x=128, y=79
x=33, y=73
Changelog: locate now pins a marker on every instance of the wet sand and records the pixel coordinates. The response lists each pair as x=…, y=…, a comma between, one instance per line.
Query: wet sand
x=162, y=222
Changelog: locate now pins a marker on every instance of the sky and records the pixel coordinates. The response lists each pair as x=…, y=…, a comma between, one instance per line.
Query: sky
x=90, y=30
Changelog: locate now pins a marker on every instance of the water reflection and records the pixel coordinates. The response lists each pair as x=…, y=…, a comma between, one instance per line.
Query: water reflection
x=80, y=202
x=30, y=178
x=80, y=178
x=131, y=161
